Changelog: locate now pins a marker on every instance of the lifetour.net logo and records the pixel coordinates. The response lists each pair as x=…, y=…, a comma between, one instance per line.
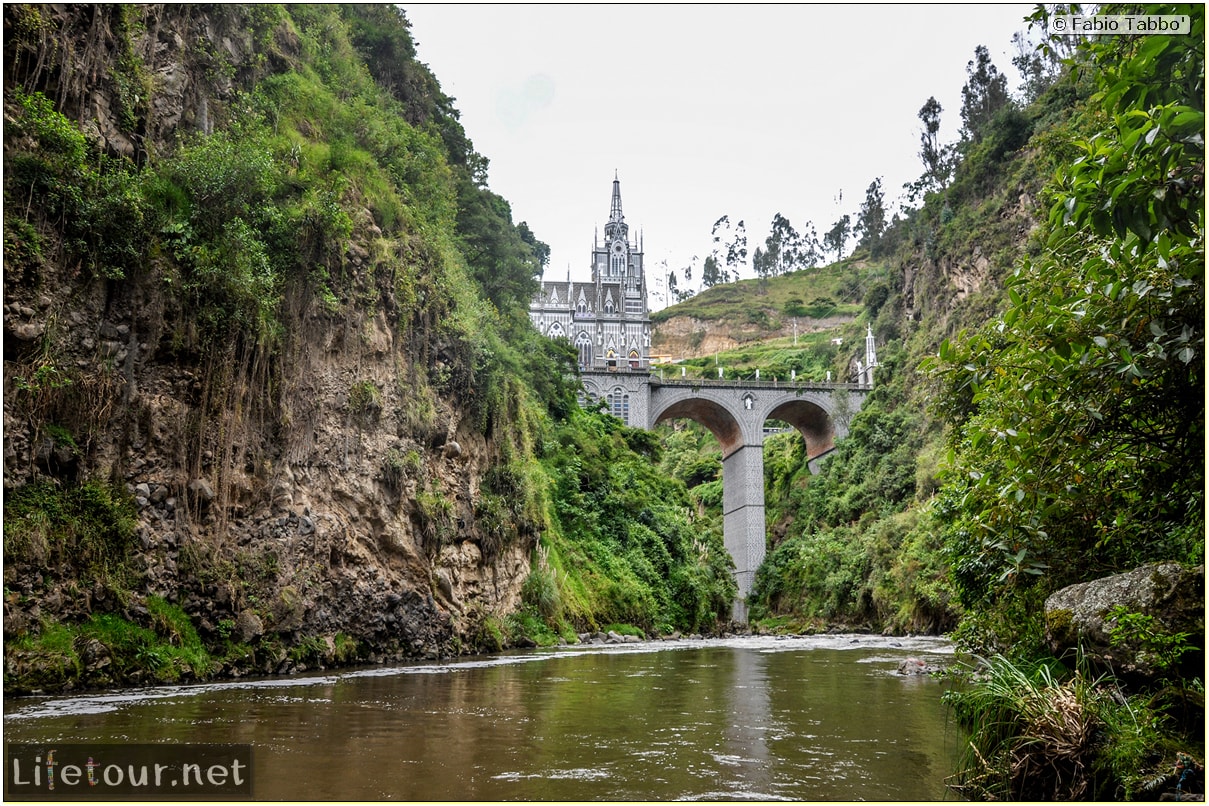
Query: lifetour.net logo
x=104, y=771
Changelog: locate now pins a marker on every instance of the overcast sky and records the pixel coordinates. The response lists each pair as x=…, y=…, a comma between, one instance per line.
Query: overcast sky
x=701, y=111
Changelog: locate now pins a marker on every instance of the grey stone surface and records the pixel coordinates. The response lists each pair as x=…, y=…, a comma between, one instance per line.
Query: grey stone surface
x=1080, y=617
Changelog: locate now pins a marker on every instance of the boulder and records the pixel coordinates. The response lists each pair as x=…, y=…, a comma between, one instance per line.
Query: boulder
x=248, y=626
x=202, y=490
x=912, y=666
x=1169, y=598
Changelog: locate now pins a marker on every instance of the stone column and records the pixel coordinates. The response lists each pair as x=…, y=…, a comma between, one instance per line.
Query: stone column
x=743, y=518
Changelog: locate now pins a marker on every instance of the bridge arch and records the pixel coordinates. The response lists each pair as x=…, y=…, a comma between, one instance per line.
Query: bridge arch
x=714, y=415
x=811, y=420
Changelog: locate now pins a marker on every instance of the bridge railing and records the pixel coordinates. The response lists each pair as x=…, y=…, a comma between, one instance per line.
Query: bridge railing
x=617, y=370
x=705, y=383
x=725, y=383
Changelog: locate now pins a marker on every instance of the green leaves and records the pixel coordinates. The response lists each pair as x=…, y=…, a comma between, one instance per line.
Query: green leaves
x=1080, y=411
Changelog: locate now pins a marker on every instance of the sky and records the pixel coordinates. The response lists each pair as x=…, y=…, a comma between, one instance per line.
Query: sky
x=700, y=111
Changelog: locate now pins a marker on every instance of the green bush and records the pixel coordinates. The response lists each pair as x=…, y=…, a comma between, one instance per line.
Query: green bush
x=365, y=398
x=165, y=652
x=84, y=532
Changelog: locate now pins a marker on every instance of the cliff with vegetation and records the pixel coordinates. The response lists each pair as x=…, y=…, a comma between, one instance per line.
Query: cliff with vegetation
x=1037, y=427
x=271, y=396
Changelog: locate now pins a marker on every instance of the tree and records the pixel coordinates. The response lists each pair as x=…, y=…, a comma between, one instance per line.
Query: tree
x=810, y=251
x=688, y=276
x=541, y=251
x=1040, y=64
x=762, y=264
x=711, y=272
x=781, y=245
x=503, y=262
x=736, y=250
x=673, y=293
x=837, y=237
x=787, y=250
x=937, y=159
x=728, y=254
x=984, y=94
x=871, y=221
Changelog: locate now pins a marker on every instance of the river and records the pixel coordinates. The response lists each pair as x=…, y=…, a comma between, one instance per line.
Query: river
x=747, y=718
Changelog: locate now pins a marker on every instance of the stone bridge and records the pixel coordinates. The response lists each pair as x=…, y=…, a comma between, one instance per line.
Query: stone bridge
x=735, y=412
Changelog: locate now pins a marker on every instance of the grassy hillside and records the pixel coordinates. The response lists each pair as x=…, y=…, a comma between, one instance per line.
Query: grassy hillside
x=836, y=289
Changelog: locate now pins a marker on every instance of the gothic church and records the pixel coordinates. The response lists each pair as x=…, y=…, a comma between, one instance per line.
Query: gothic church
x=607, y=318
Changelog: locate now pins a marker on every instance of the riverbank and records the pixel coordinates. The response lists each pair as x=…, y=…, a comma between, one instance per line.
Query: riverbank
x=155, y=643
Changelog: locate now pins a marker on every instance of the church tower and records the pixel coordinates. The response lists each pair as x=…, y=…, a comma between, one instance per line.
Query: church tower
x=623, y=325
x=606, y=318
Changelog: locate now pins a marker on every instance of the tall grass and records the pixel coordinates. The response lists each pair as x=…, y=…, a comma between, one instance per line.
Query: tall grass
x=1039, y=731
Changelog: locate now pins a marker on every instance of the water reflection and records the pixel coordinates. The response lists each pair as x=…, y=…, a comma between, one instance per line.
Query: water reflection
x=823, y=718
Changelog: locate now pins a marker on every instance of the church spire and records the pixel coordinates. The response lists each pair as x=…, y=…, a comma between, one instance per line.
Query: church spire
x=870, y=358
x=616, y=229
x=615, y=215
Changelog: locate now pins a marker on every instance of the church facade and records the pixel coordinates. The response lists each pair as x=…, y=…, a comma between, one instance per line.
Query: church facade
x=606, y=318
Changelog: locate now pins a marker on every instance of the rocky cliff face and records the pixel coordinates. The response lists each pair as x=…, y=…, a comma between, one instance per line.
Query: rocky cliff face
x=690, y=337
x=313, y=489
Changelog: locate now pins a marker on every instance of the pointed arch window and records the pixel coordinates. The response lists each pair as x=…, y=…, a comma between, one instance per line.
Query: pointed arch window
x=556, y=331
x=583, y=343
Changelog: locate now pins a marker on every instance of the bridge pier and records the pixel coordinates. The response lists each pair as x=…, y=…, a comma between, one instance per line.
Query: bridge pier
x=743, y=518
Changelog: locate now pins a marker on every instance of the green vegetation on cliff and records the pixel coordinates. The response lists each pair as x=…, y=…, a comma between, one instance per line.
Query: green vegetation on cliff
x=294, y=186
x=1077, y=414
x=1038, y=418
x=624, y=545
x=1077, y=423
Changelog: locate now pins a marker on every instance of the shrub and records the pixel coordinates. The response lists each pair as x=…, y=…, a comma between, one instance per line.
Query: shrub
x=86, y=531
x=365, y=399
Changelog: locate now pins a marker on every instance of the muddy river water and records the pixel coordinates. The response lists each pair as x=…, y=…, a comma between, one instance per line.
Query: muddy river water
x=749, y=718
